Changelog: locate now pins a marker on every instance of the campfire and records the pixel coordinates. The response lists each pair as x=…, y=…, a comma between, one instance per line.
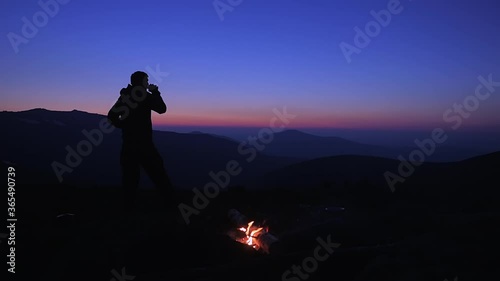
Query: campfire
x=250, y=233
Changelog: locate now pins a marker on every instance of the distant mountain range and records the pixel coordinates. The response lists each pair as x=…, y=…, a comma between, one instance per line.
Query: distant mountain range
x=293, y=143
x=37, y=138
x=338, y=170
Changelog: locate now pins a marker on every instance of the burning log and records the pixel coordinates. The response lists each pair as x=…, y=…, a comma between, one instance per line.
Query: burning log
x=251, y=234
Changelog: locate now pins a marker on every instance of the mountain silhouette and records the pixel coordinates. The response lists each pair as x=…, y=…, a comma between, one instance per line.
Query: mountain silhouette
x=294, y=143
x=38, y=137
x=470, y=183
x=356, y=168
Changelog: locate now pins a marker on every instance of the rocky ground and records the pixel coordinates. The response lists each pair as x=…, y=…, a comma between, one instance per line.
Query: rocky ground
x=100, y=241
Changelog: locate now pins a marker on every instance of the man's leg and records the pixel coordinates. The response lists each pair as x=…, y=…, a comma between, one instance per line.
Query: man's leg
x=152, y=163
x=131, y=172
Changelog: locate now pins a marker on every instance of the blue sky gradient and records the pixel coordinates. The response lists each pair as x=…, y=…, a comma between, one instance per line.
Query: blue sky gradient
x=263, y=55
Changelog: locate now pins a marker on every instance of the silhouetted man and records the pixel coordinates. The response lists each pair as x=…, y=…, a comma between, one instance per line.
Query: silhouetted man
x=132, y=114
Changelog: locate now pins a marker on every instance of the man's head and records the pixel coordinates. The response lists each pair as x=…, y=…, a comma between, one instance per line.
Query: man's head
x=139, y=78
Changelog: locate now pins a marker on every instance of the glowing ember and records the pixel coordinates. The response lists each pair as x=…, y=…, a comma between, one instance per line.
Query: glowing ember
x=259, y=238
x=251, y=232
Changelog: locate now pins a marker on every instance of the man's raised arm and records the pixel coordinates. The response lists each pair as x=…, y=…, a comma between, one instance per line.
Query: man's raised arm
x=156, y=102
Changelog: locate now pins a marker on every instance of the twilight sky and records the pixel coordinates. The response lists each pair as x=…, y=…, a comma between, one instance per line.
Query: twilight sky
x=263, y=55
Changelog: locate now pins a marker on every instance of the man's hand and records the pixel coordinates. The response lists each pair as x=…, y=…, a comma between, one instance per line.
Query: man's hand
x=152, y=88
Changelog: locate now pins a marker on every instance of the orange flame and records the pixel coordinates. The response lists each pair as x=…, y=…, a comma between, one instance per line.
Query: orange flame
x=251, y=234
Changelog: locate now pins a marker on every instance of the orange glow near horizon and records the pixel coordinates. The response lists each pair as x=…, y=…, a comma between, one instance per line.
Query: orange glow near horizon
x=304, y=118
